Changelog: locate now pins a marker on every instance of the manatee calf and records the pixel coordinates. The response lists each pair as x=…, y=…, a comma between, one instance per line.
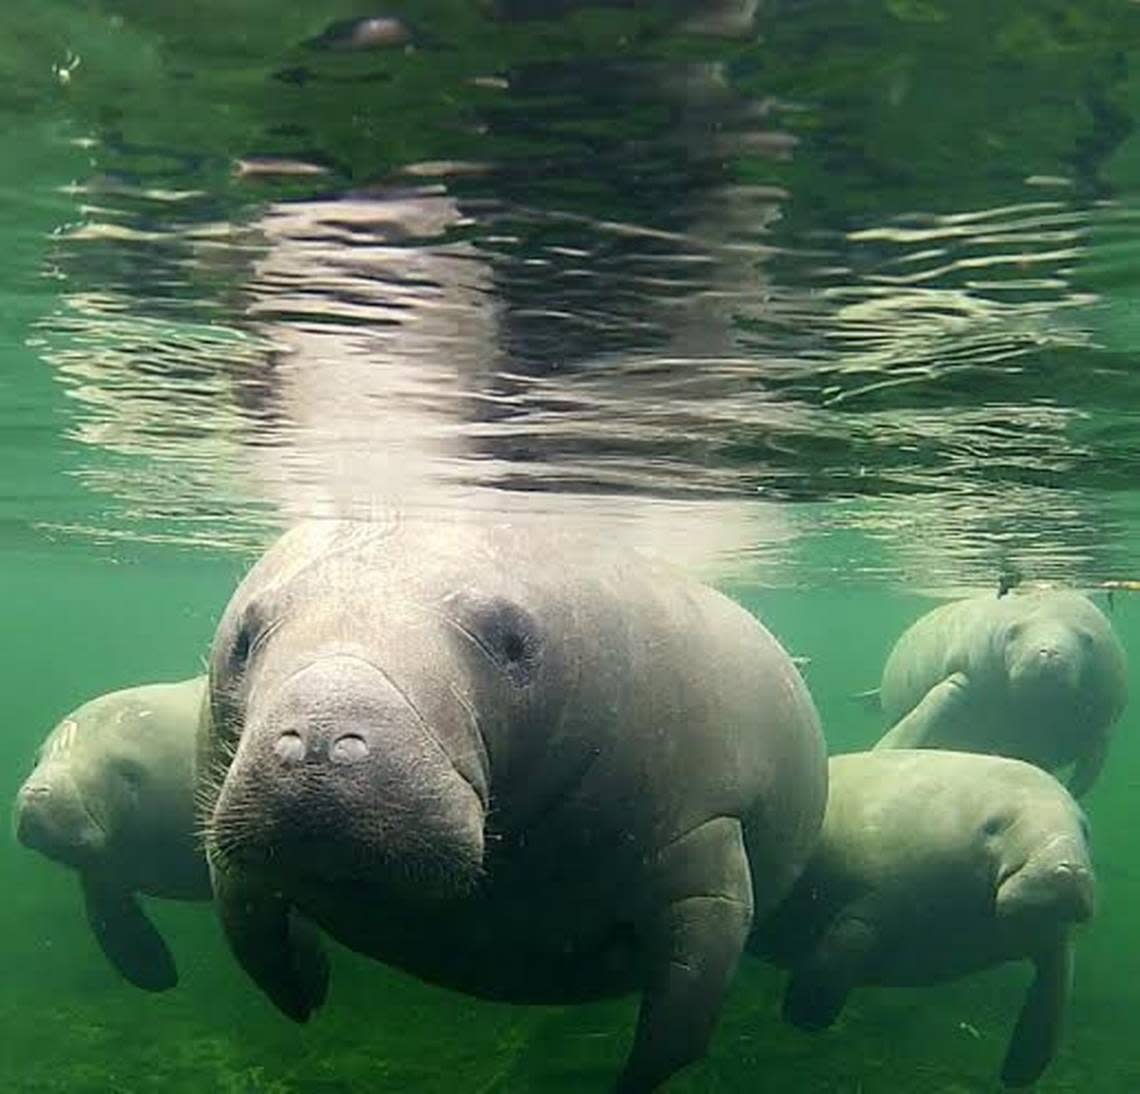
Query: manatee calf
x=1038, y=676
x=112, y=797
x=509, y=761
x=932, y=865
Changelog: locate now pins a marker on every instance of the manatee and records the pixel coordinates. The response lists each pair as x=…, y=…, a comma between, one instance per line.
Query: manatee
x=1037, y=676
x=511, y=761
x=112, y=797
x=932, y=865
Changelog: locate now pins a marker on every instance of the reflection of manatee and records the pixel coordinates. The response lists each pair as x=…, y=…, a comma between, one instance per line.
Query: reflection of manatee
x=112, y=797
x=933, y=865
x=406, y=319
x=520, y=765
x=1039, y=676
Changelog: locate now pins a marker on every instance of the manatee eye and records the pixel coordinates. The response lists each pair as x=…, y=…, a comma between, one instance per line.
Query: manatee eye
x=994, y=826
x=1015, y=631
x=514, y=646
x=252, y=629
x=129, y=772
x=1085, y=828
x=508, y=635
x=242, y=644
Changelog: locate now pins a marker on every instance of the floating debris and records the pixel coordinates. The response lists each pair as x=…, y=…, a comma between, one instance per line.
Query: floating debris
x=374, y=32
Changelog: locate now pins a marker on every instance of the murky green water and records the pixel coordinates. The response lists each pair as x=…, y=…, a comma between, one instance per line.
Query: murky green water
x=840, y=312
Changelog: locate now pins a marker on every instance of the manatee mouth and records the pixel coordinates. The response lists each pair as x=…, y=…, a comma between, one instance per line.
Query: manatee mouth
x=1046, y=673
x=1062, y=891
x=306, y=839
x=296, y=866
x=59, y=826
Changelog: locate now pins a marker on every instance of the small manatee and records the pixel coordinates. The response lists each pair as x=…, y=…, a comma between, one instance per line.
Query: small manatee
x=1038, y=676
x=112, y=798
x=932, y=865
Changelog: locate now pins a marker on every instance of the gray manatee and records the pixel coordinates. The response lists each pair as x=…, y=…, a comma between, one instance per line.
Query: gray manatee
x=932, y=865
x=507, y=760
x=1038, y=676
x=112, y=797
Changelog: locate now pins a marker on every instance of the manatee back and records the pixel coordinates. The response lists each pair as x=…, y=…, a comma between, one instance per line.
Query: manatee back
x=135, y=747
x=696, y=705
x=165, y=732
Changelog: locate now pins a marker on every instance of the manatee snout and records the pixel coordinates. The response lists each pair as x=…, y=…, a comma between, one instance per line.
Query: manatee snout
x=50, y=818
x=338, y=777
x=1058, y=882
x=1047, y=662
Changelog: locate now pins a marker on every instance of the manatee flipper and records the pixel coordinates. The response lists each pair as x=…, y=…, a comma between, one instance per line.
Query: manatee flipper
x=690, y=947
x=868, y=700
x=819, y=986
x=1087, y=768
x=919, y=728
x=1038, y=1030
x=279, y=950
x=127, y=937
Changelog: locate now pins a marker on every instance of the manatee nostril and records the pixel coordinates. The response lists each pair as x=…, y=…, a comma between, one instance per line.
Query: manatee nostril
x=1077, y=889
x=38, y=790
x=348, y=749
x=289, y=747
x=1072, y=869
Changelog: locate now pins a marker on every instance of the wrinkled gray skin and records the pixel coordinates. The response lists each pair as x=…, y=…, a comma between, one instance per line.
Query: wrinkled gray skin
x=511, y=763
x=112, y=797
x=1038, y=676
x=932, y=865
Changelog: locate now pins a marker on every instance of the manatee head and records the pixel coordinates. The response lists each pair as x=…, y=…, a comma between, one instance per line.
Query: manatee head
x=1061, y=657
x=68, y=807
x=351, y=715
x=1039, y=843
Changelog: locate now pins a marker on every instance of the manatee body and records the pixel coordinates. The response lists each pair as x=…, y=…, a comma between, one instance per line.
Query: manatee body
x=112, y=797
x=511, y=762
x=1038, y=676
x=932, y=865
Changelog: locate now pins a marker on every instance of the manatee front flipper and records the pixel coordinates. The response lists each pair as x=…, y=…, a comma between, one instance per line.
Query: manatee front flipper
x=129, y=940
x=280, y=951
x=1087, y=768
x=919, y=728
x=869, y=700
x=690, y=944
x=1038, y=1030
x=819, y=986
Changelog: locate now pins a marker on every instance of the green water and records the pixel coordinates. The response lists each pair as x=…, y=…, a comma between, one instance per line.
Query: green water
x=93, y=619
x=847, y=319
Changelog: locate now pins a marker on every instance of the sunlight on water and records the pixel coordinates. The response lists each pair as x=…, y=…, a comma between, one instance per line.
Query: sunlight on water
x=389, y=349
x=497, y=281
